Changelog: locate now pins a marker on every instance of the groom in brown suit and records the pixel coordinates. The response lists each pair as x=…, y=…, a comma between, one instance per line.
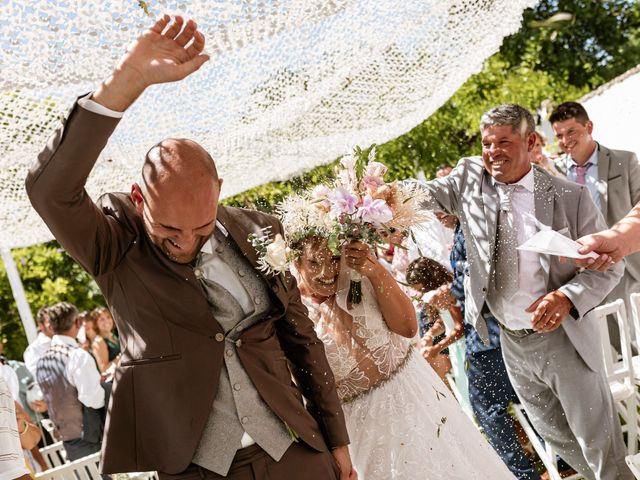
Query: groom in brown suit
x=204, y=388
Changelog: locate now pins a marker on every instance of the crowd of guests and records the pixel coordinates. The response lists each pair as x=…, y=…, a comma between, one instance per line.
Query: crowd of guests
x=63, y=383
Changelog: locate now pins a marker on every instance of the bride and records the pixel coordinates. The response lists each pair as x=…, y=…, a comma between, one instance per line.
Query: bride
x=402, y=420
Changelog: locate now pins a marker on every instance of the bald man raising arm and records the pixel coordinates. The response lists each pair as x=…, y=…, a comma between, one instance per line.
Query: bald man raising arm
x=209, y=343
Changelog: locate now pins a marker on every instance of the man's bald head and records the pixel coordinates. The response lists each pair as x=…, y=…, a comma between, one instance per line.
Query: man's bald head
x=177, y=162
x=178, y=197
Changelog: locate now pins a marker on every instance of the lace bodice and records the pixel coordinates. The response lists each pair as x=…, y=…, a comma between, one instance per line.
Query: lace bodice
x=361, y=350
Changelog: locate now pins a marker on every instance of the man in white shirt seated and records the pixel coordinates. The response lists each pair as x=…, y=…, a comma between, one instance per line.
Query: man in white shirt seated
x=41, y=344
x=70, y=383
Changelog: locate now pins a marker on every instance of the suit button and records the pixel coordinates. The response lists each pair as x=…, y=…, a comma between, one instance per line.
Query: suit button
x=245, y=420
x=276, y=288
x=257, y=301
x=229, y=352
x=236, y=386
x=241, y=273
x=238, y=343
x=219, y=337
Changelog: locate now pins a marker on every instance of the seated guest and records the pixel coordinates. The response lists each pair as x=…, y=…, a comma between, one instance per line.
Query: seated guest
x=71, y=386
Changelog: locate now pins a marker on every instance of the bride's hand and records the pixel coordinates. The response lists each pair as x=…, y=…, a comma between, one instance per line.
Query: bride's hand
x=359, y=257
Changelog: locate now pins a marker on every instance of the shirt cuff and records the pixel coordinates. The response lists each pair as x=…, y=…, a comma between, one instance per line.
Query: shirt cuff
x=88, y=104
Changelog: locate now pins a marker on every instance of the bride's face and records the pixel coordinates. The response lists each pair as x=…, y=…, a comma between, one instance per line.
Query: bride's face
x=318, y=267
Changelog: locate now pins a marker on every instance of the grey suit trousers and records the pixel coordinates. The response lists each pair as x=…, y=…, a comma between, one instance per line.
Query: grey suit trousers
x=569, y=404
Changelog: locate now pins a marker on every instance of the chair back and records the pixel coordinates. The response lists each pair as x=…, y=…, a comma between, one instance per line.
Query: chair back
x=54, y=455
x=616, y=370
x=82, y=469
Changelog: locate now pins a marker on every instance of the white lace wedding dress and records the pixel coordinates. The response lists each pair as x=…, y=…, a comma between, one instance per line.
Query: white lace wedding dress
x=403, y=422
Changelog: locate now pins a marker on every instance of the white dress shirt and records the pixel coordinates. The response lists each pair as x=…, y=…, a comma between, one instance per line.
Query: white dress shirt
x=591, y=175
x=82, y=373
x=34, y=351
x=531, y=284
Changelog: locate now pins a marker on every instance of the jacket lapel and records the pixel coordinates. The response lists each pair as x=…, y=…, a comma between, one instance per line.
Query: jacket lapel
x=603, y=178
x=544, y=199
x=239, y=227
x=490, y=206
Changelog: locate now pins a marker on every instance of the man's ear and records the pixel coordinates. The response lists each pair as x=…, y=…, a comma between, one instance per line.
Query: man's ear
x=589, y=126
x=531, y=141
x=137, y=198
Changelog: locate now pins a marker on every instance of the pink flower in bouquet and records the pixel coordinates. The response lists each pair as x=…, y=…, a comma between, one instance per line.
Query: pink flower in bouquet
x=342, y=201
x=370, y=184
x=375, y=169
x=320, y=196
x=373, y=211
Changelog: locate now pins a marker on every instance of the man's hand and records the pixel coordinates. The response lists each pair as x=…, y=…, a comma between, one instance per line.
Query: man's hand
x=347, y=472
x=166, y=52
x=549, y=311
x=607, y=244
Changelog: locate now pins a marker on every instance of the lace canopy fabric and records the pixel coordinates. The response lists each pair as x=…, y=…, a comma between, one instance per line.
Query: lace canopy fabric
x=291, y=83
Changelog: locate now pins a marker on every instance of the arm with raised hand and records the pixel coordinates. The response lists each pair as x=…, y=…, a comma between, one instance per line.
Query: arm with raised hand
x=56, y=182
x=612, y=244
x=166, y=52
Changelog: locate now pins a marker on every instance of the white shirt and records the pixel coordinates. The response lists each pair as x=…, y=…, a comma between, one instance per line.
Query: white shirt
x=82, y=373
x=34, y=351
x=212, y=267
x=530, y=273
x=11, y=457
x=590, y=177
x=11, y=379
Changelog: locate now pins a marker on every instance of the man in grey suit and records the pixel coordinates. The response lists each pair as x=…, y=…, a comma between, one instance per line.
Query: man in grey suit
x=552, y=353
x=611, y=176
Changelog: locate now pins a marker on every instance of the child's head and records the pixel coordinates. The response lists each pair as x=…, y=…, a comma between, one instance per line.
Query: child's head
x=425, y=274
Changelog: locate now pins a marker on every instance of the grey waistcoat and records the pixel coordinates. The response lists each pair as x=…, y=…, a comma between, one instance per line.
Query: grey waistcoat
x=238, y=407
x=65, y=410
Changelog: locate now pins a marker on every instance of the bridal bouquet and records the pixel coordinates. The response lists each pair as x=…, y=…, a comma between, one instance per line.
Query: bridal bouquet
x=359, y=205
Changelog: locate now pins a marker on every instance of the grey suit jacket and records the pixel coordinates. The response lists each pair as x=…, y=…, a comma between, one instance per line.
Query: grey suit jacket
x=619, y=190
x=469, y=193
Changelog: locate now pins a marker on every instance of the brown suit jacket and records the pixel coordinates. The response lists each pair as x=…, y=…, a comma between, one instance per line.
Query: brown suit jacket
x=172, y=347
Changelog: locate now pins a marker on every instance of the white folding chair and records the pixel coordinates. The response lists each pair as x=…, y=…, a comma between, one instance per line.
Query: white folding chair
x=82, y=469
x=620, y=372
x=634, y=464
x=54, y=455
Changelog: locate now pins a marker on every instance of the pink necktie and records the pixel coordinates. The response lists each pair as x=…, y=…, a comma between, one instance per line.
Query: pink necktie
x=581, y=172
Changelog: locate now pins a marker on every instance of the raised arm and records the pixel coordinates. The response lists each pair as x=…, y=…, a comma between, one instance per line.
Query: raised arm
x=55, y=184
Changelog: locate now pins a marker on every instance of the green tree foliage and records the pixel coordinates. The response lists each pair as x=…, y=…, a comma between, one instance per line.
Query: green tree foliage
x=564, y=49
x=49, y=276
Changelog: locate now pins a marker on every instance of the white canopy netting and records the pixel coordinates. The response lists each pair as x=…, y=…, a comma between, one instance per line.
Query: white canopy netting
x=291, y=84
